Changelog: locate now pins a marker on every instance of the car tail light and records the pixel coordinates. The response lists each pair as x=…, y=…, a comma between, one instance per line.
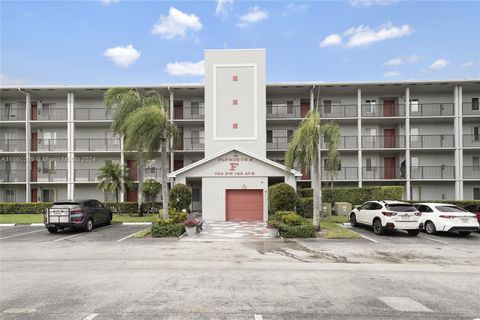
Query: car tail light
x=418, y=214
x=447, y=216
x=389, y=213
x=76, y=211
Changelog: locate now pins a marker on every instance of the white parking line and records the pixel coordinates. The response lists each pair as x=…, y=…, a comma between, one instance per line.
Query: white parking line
x=90, y=316
x=21, y=234
x=125, y=238
x=80, y=233
x=258, y=317
x=65, y=238
x=423, y=237
x=365, y=237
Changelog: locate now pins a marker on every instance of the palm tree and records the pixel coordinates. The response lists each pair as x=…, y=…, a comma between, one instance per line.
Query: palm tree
x=113, y=178
x=143, y=121
x=304, y=148
x=332, y=136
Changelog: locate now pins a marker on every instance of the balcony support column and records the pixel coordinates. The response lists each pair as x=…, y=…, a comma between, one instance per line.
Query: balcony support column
x=460, y=141
x=359, y=136
x=122, y=164
x=408, y=193
x=312, y=98
x=172, y=100
x=457, y=142
x=28, y=147
x=70, y=147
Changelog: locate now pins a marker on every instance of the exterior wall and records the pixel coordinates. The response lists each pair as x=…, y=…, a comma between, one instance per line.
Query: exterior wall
x=19, y=189
x=434, y=191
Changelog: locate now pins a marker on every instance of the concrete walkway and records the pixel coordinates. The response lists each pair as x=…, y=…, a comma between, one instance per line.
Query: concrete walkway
x=231, y=231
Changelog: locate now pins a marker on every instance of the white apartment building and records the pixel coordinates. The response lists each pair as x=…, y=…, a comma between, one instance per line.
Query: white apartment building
x=424, y=135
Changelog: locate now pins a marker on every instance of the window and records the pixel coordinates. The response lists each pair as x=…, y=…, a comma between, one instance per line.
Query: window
x=289, y=134
x=10, y=111
x=475, y=134
x=414, y=134
x=195, y=194
x=414, y=161
x=327, y=106
x=476, y=193
x=414, y=105
x=289, y=106
x=368, y=164
x=370, y=106
x=475, y=104
x=47, y=109
x=269, y=107
x=9, y=195
x=49, y=138
x=48, y=195
x=150, y=167
x=195, y=137
x=339, y=167
x=476, y=163
x=195, y=111
x=49, y=166
x=269, y=136
x=424, y=208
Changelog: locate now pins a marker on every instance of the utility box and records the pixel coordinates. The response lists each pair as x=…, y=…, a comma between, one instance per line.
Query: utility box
x=342, y=208
x=326, y=209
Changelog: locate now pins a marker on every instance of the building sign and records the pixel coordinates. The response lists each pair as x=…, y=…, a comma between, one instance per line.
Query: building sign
x=235, y=166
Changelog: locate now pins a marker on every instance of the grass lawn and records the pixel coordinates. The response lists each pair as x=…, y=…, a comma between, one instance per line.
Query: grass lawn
x=21, y=218
x=119, y=218
x=334, y=231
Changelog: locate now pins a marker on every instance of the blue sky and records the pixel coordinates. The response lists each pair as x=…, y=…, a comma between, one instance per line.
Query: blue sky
x=152, y=42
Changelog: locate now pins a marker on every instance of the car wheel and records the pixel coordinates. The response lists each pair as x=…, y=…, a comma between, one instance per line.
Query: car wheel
x=377, y=227
x=430, y=227
x=52, y=229
x=109, y=219
x=464, y=233
x=413, y=232
x=353, y=220
x=89, y=225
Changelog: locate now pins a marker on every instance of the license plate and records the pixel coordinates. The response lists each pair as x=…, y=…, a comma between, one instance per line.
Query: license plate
x=464, y=220
x=405, y=218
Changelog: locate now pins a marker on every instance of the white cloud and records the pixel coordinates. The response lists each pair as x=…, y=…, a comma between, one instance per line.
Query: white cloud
x=176, y=24
x=123, y=56
x=254, y=15
x=412, y=58
x=7, y=81
x=468, y=64
x=294, y=8
x=186, y=68
x=439, y=64
x=393, y=62
x=331, y=40
x=369, y=3
x=108, y=2
x=364, y=36
x=223, y=7
x=392, y=74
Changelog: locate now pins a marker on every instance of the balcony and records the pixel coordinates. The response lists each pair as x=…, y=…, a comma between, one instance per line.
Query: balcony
x=12, y=176
x=471, y=140
x=152, y=173
x=432, y=109
x=189, y=113
x=338, y=111
x=383, y=142
x=381, y=173
x=432, y=172
x=86, y=175
x=286, y=111
x=472, y=172
x=12, y=114
x=49, y=114
x=12, y=145
x=471, y=108
x=51, y=175
x=387, y=110
x=345, y=142
x=84, y=114
x=100, y=144
x=345, y=173
x=191, y=144
x=277, y=143
x=41, y=145
x=432, y=141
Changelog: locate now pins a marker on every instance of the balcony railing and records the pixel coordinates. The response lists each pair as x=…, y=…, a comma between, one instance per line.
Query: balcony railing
x=189, y=113
x=12, y=175
x=470, y=108
x=432, y=141
x=396, y=110
x=381, y=173
x=432, y=172
x=12, y=145
x=86, y=174
x=48, y=114
x=50, y=145
x=278, y=143
x=345, y=173
x=338, y=111
x=57, y=175
x=191, y=144
x=83, y=114
x=432, y=109
x=101, y=144
x=471, y=140
x=285, y=111
x=345, y=142
x=12, y=114
x=383, y=142
x=472, y=172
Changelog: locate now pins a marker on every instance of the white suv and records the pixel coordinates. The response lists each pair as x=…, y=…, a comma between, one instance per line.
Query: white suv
x=387, y=215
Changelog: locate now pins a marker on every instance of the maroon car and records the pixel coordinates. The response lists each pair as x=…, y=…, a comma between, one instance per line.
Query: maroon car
x=474, y=208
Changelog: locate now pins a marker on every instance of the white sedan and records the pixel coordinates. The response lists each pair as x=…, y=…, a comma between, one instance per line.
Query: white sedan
x=446, y=217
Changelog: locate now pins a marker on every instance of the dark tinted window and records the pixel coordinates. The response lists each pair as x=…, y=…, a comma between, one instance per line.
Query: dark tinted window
x=424, y=208
x=450, y=209
x=376, y=206
x=398, y=207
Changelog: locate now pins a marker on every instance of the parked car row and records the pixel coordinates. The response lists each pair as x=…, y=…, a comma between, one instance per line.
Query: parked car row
x=387, y=215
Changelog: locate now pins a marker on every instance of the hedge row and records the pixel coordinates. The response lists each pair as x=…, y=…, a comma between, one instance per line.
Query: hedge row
x=356, y=195
x=167, y=230
x=40, y=207
x=305, y=207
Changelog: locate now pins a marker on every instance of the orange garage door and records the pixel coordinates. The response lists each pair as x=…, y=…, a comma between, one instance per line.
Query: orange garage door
x=246, y=205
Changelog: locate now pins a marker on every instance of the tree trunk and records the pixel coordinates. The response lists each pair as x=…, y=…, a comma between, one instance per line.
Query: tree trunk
x=317, y=202
x=320, y=206
x=116, y=199
x=164, y=160
x=140, y=188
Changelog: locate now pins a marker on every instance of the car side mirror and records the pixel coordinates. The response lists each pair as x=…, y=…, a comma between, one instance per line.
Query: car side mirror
x=358, y=208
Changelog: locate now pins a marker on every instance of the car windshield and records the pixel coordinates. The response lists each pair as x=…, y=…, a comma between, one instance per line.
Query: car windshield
x=450, y=209
x=399, y=207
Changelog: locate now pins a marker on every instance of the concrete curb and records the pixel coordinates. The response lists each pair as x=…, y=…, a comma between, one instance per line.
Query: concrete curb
x=137, y=223
x=7, y=224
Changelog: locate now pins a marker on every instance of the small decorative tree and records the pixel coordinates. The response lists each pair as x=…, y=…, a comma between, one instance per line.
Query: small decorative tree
x=180, y=197
x=113, y=178
x=151, y=188
x=281, y=197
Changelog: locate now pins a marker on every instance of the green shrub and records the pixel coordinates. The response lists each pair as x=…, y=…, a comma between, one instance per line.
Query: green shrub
x=305, y=193
x=180, y=197
x=305, y=230
x=291, y=219
x=280, y=214
x=305, y=207
x=167, y=230
x=177, y=216
x=281, y=197
x=132, y=207
x=24, y=207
